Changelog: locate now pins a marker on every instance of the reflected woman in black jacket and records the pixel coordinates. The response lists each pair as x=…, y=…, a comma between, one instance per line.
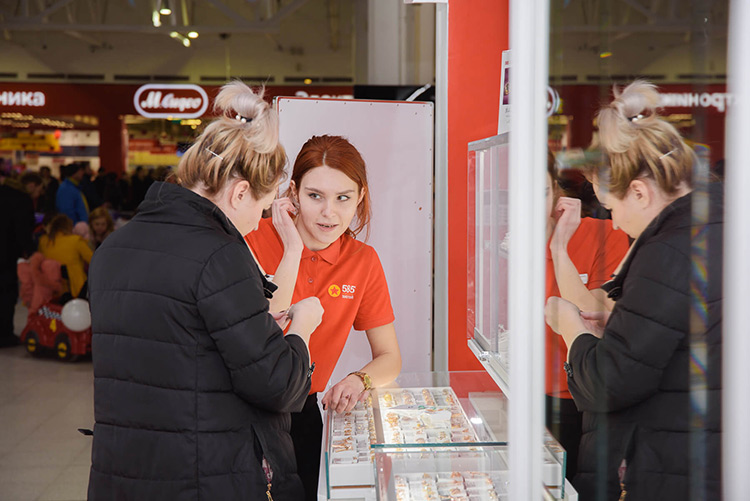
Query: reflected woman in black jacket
x=648, y=378
x=193, y=378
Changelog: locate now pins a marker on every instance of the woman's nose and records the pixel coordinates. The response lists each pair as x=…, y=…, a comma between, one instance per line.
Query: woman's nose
x=327, y=209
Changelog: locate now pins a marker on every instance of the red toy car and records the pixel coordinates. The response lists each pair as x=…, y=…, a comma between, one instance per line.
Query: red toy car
x=45, y=330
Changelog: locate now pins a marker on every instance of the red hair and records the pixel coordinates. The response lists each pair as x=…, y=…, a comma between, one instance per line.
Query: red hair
x=337, y=153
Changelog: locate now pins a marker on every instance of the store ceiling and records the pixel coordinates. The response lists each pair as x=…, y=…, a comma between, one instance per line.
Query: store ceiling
x=637, y=16
x=663, y=40
x=143, y=16
x=638, y=32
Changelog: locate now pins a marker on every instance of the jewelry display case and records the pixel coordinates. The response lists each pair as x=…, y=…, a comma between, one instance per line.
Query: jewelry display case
x=425, y=417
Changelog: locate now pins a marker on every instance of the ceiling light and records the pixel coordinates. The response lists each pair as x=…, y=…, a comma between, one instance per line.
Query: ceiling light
x=155, y=19
x=182, y=38
x=165, y=10
x=605, y=54
x=192, y=34
x=307, y=81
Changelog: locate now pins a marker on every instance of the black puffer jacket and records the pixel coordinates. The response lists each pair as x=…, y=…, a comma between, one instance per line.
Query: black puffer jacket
x=634, y=384
x=193, y=379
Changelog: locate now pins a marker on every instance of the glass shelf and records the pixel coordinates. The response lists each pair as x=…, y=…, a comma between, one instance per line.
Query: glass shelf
x=488, y=330
x=450, y=473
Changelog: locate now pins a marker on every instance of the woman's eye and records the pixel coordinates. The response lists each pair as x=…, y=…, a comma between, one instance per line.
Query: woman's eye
x=314, y=196
x=344, y=198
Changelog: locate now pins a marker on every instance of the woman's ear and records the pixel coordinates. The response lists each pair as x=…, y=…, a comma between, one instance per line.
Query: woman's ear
x=362, y=192
x=293, y=193
x=641, y=192
x=239, y=191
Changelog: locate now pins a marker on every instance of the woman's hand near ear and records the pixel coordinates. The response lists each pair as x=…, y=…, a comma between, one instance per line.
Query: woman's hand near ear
x=568, y=216
x=284, y=224
x=286, y=273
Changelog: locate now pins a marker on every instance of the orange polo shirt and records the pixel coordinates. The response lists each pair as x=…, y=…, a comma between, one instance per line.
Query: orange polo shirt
x=595, y=249
x=348, y=279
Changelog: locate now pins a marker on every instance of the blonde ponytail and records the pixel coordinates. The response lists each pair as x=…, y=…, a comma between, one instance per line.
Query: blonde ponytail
x=242, y=142
x=638, y=143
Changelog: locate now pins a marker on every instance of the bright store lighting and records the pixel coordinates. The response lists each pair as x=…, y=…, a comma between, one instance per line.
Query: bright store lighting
x=182, y=38
x=605, y=54
x=192, y=34
x=165, y=10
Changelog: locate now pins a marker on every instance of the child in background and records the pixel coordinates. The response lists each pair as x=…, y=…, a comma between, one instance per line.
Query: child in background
x=101, y=226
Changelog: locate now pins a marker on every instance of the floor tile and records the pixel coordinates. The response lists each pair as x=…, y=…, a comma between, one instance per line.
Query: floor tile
x=70, y=485
x=43, y=402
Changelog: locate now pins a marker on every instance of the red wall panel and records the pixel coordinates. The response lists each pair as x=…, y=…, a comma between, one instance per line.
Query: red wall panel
x=477, y=35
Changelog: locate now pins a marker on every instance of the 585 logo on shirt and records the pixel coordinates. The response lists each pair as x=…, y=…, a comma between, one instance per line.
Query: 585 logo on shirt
x=347, y=290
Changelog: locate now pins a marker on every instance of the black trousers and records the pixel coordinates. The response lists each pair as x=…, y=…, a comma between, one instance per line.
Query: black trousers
x=307, y=433
x=8, y=298
x=565, y=423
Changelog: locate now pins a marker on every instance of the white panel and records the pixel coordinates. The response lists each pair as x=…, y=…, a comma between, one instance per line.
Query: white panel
x=736, y=405
x=440, y=322
x=529, y=38
x=395, y=140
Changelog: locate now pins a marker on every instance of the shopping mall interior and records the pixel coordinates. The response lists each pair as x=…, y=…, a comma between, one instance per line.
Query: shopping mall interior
x=119, y=91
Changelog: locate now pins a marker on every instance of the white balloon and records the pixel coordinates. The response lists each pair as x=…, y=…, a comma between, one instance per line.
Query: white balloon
x=76, y=315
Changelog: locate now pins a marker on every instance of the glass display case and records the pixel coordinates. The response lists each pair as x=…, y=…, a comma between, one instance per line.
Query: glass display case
x=424, y=416
x=447, y=473
x=488, y=240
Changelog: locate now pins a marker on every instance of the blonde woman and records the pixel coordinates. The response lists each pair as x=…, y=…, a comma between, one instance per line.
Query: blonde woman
x=652, y=430
x=193, y=378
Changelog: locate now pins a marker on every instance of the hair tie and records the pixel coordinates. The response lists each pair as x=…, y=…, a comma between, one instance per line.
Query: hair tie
x=242, y=119
x=635, y=118
x=214, y=154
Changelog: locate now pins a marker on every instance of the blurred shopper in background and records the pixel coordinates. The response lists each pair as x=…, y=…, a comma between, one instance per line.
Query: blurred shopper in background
x=16, y=228
x=328, y=188
x=69, y=249
x=630, y=372
x=70, y=200
x=140, y=181
x=49, y=194
x=193, y=378
x=88, y=188
x=582, y=254
x=34, y=186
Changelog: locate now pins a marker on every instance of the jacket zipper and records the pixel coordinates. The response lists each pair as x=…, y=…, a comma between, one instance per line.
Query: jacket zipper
x=621, y=473
x=269, y=476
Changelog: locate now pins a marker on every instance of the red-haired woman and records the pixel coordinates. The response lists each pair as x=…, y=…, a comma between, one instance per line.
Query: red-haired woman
x=328, y=189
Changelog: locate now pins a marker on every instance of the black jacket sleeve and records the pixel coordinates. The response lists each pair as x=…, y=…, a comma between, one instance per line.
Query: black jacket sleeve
x=647, y=325
x=268, y=370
